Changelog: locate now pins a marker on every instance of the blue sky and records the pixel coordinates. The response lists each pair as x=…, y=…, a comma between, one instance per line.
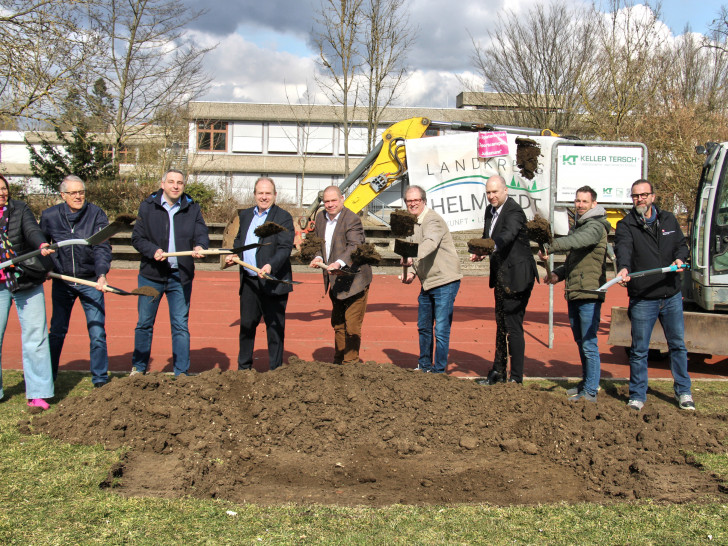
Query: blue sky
x=677, y=13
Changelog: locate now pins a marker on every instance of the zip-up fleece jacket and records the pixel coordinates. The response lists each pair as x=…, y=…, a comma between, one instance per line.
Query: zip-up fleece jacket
x=151, y=231
x=639, y=247
x=85, y=262
x=586, y=264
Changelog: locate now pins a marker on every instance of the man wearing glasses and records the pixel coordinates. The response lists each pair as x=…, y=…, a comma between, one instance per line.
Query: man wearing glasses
x=649, y=238
x=76, y=218
x=438, y=267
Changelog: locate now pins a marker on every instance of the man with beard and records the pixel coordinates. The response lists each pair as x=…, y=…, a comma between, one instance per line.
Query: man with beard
x=649, y=238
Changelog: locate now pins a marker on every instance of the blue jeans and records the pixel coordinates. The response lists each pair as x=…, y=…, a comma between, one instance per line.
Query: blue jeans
x=30, y=304
x=92, y=301
x=644, y=313
x=178, y=300
x=584, y=320
x=435, y=307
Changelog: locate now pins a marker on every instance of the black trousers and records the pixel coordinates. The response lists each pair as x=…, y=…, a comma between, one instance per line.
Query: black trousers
x=509, y=312
x=254, y=304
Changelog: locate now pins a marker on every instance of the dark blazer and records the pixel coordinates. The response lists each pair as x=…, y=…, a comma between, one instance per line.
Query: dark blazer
x=512, y=265
x=86, y=262
x=151, y=231
x=277, y=253
x=348, y=234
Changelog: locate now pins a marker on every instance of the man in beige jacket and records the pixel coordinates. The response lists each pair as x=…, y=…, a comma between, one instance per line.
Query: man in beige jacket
x=438, y=267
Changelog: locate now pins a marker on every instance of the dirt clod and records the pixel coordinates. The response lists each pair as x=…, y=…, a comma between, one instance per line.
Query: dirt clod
x=377, y=434
x=365, y=254
x=402, y=223
x=311, y=247
x=481, y=247
x=539, y=230
x=267, y=229
x=527, y=153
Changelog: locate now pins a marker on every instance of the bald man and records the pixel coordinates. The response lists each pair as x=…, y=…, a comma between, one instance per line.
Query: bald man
x=512, y=275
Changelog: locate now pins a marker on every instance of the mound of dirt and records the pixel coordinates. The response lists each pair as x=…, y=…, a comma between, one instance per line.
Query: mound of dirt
x=377, y=434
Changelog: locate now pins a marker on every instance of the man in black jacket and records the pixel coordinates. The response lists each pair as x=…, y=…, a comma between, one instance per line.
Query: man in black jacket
x=168, y=221
x=260, y=297
x=649, y=238
x=512, y=276
x=76, y=218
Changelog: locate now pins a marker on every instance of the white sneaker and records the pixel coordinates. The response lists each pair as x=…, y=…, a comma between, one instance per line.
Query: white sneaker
x=134, y=371
x=636, y=405
x=685, y=401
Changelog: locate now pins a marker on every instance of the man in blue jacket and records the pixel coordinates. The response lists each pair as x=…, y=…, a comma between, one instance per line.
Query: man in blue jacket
x=650, y=238
x=168, y=221
x=76, y=218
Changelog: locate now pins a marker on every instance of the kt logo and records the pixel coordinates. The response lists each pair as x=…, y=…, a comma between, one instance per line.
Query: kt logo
x=569, y=159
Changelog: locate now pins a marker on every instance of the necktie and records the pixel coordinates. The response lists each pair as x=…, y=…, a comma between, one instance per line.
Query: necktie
x=492, y=222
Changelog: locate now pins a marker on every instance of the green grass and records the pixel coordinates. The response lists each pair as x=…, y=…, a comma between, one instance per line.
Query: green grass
x=49, y=494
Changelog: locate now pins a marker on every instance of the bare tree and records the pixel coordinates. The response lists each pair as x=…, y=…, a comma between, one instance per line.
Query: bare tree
x=42, y=48
x=150, y=67
x=386, y=39
x=338, y=45
x=302, y=112
x=536, y=62
x=629, y=67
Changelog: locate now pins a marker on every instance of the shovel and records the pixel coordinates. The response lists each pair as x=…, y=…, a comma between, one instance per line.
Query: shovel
x=122, y=221
x=215, y=251
x=257, y=270
x=405, y=249
x=603, y=288
x=142, y=291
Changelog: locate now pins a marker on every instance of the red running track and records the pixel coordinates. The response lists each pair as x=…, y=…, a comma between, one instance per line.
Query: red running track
x=389, y=334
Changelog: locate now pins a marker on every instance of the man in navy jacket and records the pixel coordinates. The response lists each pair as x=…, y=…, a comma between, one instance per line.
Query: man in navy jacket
x=650, y=238
x=76, y=218
x=168, y=221
x=259, y=297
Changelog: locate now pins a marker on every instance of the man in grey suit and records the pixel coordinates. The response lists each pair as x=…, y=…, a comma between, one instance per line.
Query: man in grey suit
x=260, y=297
x=342, y=231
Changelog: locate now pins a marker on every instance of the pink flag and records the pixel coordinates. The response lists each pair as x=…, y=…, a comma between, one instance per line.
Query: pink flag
x=492, y=144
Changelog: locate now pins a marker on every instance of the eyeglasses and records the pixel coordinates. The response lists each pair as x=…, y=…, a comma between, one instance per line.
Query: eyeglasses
x=412, y=201
x=641, y=195
x=79, y=193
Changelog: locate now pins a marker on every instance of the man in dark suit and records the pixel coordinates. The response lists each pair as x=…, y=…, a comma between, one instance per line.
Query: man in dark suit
x=342, y=231
x=259, y=297
x=512, y=275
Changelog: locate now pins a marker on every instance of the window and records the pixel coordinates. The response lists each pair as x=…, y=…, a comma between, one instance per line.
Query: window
x=247, y=137
x=212, y=136
x=122, y=155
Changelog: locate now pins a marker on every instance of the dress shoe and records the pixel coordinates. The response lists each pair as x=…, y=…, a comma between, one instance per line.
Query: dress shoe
x=495, y=377
x=511, y=380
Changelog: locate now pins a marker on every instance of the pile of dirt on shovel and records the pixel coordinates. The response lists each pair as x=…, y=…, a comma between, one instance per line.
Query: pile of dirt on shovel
x=376, y=434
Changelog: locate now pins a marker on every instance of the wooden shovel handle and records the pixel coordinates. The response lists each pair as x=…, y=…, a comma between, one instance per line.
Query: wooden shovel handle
x=209, y=252
x=76, y=280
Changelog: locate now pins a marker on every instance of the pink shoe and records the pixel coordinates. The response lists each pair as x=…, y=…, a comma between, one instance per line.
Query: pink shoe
x=39, y=403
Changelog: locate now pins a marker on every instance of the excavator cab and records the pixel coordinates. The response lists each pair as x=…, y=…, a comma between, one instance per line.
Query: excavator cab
x=708, y=281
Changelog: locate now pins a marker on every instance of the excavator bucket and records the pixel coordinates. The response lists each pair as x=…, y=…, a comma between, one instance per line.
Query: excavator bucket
x=704, y=333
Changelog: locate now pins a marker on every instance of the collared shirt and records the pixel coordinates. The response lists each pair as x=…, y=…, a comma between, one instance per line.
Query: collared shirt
x=494, y=219
x=171, y=245
x=422, y=214
x=249, y=256
x=329, y=235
